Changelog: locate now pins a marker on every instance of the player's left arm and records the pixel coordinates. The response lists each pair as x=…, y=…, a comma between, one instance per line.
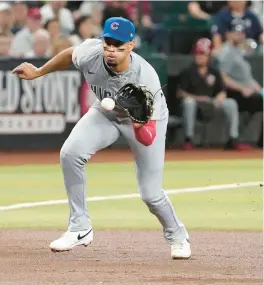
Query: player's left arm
x=146, y=133
x=61, y=61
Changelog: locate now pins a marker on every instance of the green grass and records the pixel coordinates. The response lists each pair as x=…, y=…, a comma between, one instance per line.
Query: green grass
x=236, y=209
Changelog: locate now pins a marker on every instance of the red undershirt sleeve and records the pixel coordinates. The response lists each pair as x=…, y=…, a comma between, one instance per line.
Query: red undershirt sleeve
x=146, y=134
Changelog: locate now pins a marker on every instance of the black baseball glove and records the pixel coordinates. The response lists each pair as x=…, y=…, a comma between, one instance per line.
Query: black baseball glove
x=136, y=101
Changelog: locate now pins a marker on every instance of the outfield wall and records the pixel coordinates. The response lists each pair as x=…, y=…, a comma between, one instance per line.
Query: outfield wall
x=41, y=113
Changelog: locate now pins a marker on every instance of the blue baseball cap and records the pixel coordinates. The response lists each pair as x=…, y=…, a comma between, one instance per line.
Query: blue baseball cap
x=120, y=29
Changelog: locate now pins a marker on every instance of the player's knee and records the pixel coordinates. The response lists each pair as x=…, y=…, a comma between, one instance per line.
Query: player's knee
x=69, y=155
x=65, y=156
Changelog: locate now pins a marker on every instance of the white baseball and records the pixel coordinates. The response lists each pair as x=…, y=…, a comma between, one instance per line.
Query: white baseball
x=108, y=104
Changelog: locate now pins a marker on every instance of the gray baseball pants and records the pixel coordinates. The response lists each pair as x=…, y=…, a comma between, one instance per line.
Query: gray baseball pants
x=95, y=131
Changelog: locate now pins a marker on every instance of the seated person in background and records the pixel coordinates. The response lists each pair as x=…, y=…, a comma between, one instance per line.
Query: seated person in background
x=95, y=11
x=236, y=70
x=53, y=28
x=41, y=45
x=83, y=30
x=6, y=34
x=96, y=17
x=132, y=9
x=5, y=20
x=57, y=9
x=222, y=20
x=152, y=33
x=60, y=44
x=74, y=5
x=19, y=11
x=114, y=9
x=5, y=43
x=203, y=10
x=23, y=40
x=201, y=89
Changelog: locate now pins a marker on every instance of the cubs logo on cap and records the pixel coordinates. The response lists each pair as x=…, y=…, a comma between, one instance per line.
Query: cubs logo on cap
x=119, y=28
x=114, y=26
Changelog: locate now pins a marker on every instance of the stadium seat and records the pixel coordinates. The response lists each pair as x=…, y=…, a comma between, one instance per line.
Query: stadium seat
x=182, y=41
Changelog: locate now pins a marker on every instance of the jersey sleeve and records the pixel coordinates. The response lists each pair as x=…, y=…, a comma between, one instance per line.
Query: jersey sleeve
x=82, y=53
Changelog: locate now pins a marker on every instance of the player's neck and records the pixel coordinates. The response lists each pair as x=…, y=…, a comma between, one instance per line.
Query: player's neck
x=123, y=66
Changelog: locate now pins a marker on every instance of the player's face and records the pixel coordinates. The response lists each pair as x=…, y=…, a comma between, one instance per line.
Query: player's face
x=116, y=52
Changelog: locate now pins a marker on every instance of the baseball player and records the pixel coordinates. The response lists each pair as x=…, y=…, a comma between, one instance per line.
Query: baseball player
x=108, y=63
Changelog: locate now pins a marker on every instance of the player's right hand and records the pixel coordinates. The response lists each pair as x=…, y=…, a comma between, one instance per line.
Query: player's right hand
x=26, y=71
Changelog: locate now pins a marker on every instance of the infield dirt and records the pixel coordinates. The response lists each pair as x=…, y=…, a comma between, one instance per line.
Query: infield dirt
x=129, y=257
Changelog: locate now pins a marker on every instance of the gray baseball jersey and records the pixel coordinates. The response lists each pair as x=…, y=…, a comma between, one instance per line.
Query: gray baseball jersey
x=88, y=58
x=96, y=131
